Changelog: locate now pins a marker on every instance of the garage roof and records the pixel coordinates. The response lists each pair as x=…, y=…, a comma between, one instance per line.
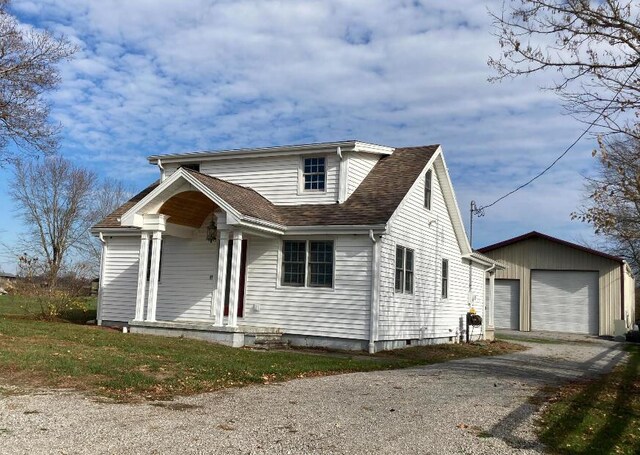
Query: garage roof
x=539, y=235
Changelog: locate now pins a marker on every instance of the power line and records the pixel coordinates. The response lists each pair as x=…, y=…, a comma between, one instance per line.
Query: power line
x=480, y=211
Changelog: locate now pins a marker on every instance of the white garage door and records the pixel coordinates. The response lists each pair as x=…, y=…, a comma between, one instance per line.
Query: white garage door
x=507, y=304
x=564, y=301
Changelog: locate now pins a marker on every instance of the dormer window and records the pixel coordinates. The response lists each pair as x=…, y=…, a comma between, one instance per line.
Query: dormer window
x=192, y=166
x=314, y=173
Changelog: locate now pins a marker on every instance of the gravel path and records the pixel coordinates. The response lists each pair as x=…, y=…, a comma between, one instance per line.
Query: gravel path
x=473, y=406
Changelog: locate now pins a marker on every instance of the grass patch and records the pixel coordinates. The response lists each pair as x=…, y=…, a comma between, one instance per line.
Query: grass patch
x=130, y=367
x=598, y=417
x=15, y=305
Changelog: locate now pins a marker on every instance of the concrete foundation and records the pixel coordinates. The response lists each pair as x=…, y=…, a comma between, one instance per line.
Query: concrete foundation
x=229, y=336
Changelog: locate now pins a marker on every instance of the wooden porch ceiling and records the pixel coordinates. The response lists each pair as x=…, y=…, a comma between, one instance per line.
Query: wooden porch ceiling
x=189, y=208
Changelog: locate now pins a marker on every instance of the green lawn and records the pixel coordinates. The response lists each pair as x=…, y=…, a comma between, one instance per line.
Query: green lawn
x=599, y=417
x=129, y=366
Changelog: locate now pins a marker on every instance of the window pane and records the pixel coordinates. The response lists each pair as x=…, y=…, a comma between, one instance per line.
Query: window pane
x=408, y=282
x=409, y=260
x=293, y=262
x=321, y=263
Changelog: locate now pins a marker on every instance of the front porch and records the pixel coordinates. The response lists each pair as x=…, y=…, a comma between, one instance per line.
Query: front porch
x=192, y=265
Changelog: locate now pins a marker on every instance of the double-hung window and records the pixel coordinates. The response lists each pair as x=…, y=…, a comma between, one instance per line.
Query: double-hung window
x=307, y=263
x=314, y=174
x=445, y=278
x=404, y=270
x=294, y=257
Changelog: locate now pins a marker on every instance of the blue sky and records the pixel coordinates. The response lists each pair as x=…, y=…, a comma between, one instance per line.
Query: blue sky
x=158, y=76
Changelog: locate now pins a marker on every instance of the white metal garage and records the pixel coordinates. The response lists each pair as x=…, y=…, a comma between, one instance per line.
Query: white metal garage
x=564, y=301
x=507, y=304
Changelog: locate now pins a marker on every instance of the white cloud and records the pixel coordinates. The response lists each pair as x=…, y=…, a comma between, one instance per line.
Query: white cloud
x=159, y=76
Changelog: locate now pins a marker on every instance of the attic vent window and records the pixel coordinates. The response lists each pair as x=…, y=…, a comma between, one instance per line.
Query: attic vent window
x=315, y=174
x=427, y=189
x=192, y=166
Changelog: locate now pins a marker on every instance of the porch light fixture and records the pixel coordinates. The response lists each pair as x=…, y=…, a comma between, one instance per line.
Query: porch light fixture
x=212, y=231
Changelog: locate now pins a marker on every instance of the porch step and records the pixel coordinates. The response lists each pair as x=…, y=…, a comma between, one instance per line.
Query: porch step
x=265, y=340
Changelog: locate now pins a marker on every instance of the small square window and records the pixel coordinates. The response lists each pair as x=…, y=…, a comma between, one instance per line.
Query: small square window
x=314, y=174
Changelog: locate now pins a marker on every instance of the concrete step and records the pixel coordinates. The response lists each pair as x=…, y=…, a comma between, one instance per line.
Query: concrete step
x=265, y=340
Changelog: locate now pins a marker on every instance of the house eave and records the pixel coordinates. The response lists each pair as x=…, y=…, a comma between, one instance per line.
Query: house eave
x=123, y=230
x=337, y=229
x=483, y=260
x=345, y=146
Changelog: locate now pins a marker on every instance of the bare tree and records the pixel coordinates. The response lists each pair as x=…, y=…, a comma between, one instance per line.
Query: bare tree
x=613, y=206
x=55, y=199
x=28, y=60
x=107, y=196
x=593, y=47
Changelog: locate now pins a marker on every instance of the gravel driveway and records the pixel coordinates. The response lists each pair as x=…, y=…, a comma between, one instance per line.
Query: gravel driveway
x=474, y=406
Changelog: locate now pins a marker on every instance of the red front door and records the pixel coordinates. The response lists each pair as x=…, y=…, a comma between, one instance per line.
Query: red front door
x=243, y=273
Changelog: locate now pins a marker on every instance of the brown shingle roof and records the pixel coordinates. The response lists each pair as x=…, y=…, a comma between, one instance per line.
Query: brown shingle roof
x=377, y=197
x=373, y=202
x=112, y=220
x=245, y=200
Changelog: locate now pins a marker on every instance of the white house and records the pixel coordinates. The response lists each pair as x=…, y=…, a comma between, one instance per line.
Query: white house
x=346, y=244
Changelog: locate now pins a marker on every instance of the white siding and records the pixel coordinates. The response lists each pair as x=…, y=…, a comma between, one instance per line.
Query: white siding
x=425, y=313
x=339, y=312
x=188, y=278
x=274, y=177
x=360, y=164
x=120, y=279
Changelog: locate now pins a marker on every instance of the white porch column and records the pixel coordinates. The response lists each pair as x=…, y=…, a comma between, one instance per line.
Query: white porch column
x=142, y=275
x=234, y=286
x=154, y=275
x=218, y=304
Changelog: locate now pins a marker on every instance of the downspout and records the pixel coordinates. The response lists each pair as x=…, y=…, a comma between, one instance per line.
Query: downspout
x=342, y=183
x=622, y=273
x=161, y=170
x=375, y=293
x=485, y=319
x=103, y=260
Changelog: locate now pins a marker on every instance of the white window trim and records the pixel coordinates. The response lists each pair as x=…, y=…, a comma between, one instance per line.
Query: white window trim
x=280, y=285
x=404, y=270
x=301, y=189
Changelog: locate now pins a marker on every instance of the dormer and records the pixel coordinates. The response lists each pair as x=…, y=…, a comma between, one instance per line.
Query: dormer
x=323, y=173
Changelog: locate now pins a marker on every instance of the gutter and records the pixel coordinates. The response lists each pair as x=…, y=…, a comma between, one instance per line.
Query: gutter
x=375, y=292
